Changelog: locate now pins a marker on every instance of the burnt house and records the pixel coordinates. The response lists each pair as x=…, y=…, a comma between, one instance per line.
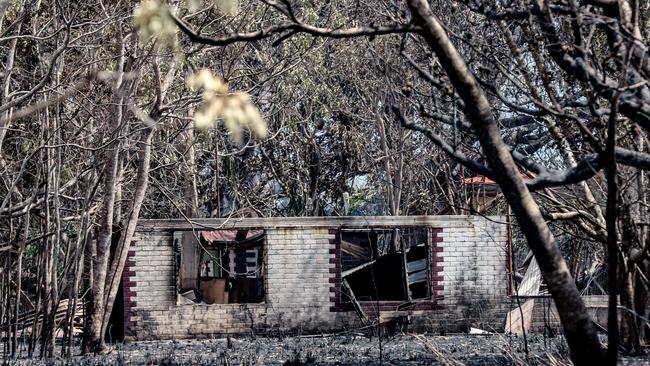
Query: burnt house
x=210, y=277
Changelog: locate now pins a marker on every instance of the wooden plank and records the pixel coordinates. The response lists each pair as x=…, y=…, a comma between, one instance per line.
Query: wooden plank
x=514, y=322
x=26, y=319
x=532, y=280
x=529, y=287
x=405, y=275
x=357, y=268
x=355, y=304
x=189, y=266
x=355, y=250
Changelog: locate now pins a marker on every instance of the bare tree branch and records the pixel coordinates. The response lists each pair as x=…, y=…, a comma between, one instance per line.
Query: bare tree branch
x=293, y=27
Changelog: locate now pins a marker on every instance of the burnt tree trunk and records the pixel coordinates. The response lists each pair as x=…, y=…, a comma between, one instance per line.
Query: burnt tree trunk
x=612, y=237
x=141, y=184
x=579, y=330
x=93, y=335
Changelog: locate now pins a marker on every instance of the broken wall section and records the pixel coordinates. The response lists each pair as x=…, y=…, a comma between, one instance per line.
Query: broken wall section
x=468, y=278
x=302, y=280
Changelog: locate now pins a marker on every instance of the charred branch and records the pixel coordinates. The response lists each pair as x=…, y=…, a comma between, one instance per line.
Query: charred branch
x=290, y=28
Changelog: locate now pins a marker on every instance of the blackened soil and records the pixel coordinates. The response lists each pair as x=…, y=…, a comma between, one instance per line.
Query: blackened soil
x=348, y=349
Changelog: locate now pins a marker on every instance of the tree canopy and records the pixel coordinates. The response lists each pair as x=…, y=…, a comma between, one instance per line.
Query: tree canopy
x=114, y=111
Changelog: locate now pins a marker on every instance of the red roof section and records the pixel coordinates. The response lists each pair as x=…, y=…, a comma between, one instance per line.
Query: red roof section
x=481, y=179
x=227, y=235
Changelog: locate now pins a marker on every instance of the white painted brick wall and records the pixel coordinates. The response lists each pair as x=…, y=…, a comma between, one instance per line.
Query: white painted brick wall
x=297, y=290
x=298, y=283
x=475, y=269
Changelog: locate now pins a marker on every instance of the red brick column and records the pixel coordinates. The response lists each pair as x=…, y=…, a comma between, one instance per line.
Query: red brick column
x=335, y=271
x=128, y=287
x=437, y=267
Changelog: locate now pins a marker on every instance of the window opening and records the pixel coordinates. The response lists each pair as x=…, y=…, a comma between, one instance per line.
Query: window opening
x=386, y=264
x=220, y=266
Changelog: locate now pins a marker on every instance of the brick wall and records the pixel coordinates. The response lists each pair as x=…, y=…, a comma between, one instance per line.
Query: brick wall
x=302, y=280
x=475, y=278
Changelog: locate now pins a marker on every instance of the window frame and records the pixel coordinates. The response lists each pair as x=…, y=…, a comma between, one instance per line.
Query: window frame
x=261, y=259
x=433, y=258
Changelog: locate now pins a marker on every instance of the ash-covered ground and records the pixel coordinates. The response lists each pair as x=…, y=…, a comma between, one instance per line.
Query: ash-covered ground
x=349, y=349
